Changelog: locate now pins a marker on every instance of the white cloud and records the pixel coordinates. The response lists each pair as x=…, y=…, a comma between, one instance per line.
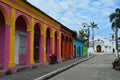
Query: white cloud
x=96, y=3
x=72, y=13
x=108, y=3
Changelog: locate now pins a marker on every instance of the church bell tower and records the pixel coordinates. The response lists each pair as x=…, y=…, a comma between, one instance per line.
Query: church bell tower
x=112, y=42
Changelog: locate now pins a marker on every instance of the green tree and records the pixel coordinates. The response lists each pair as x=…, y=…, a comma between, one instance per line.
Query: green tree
x=93, y=25
x=115, y=20
x=74, y=34
x=83, y=37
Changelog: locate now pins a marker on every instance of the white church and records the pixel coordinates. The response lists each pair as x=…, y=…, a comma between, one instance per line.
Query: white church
x=101, y=44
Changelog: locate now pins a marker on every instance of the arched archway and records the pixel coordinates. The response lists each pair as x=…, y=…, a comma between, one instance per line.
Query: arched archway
x=113, y=50
x=20, y=40
x=67, y=55
x=48, y=43
x=70, y=48
x=56, y=44
x=2, y=37
x=99, y=48
x=66, y=44
x=37, y=42
x=4, y=13
x=62, y=46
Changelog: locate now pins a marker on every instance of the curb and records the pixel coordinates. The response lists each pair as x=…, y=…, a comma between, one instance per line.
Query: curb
x=53, y=73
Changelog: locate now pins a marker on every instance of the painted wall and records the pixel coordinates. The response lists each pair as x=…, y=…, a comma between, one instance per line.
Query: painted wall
x=12, y=10
x=78, y=48
x=85, y=50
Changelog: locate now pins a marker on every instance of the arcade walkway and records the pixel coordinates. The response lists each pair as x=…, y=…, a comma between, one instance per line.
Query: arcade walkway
x=31, y=74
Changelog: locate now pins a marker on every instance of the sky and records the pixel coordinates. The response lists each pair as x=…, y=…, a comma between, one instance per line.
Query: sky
x=72, y=13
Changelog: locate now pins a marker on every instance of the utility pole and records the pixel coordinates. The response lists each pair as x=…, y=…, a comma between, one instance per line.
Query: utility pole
x=88, y=35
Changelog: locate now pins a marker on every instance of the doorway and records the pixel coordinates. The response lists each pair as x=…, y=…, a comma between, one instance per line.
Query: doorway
x=98, y=48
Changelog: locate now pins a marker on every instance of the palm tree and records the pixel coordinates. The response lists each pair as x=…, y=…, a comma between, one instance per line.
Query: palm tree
x=115, y=20
x=93, y=25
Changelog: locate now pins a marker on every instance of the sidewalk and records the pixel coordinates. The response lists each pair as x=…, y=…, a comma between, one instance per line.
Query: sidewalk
x=32, y=74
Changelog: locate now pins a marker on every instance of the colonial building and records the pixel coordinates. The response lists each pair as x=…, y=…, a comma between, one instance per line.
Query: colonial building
x=78, y=48
x=29, y=36
x=103, y=45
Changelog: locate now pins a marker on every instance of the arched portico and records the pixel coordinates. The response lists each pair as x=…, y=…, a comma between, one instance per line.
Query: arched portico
x=37, y=42
x=48, y=43
x=62, y=46
x=56, y=44
x=21, y=39
x=2, y=37
x=67, y=55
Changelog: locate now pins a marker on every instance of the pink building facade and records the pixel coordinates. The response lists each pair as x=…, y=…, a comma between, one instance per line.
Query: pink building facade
x=29, y=36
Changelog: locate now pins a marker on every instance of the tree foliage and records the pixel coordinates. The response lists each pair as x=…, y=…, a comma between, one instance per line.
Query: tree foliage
x=83, y=36
x=74, y=34
x=115, y=20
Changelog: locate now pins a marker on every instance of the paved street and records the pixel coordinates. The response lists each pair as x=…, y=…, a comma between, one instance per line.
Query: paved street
x=97, y=68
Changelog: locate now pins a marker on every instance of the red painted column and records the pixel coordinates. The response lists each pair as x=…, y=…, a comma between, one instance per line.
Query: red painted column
x=67, y=48
x=70, y=49
x=63, y=50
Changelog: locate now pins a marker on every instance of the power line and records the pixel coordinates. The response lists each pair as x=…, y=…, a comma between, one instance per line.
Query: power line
x=66, y=13
x=54, y=10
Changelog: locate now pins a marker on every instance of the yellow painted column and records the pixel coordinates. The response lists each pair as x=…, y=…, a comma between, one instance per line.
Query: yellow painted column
x=59, y=38
x=52, y=36
x=12, y=38
x=32, y=42
x=44, y=31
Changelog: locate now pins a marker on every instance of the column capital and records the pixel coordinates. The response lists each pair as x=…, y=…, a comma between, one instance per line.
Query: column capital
x=28, y=30
x=8, y=25
x=52, y=34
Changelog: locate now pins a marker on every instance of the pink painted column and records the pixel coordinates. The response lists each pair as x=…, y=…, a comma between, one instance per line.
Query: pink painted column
x=41, y=54
x=63, y=50
x=50, y=46
x=28, y=48
x=6, y=47
x=58, y=50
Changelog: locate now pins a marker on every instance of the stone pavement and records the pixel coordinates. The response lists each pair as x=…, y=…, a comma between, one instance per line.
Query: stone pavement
x=31, y=74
